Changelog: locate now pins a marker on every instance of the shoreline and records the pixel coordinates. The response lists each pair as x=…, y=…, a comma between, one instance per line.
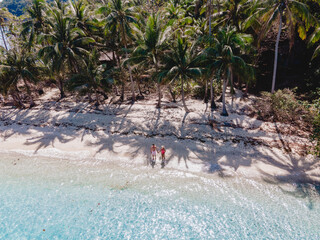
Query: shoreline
x=69, y=194
x=229, y=146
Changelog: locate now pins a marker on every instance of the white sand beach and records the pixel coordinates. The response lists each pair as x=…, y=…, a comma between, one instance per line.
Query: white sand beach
x=233, y=145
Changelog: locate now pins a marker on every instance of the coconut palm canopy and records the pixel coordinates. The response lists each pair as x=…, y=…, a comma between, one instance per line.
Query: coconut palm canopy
x=181, y=45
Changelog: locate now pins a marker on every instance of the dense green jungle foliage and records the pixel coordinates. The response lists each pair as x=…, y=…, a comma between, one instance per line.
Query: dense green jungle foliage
x=16, y=7
x=184, y=47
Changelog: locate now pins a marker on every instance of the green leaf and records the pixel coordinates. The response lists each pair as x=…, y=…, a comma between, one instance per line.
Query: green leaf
x=302, y=32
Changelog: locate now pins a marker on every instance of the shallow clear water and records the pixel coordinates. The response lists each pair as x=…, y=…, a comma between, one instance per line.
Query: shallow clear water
x=43, y=198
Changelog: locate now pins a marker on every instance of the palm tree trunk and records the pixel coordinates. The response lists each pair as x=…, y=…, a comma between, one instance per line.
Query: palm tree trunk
x=62, y=94
x=182, y=93
x=173, y=95
x=3, y=38
x=74, y=65
x=32, y=104
x=114, y=57
x=129, y=67
x=139, y=88
x=210, y=18
x=97, y=97
x=205, y=99
x=122, y=81
x=224, y=109
x=17, y=99
x=159, y=88
x=122, y=92
x=213, y=104
x=232, y=88
x=159, y=95
x=116, y=90
x=218, y=5
x=232, y=91
x=276, y=55
x=132, y=82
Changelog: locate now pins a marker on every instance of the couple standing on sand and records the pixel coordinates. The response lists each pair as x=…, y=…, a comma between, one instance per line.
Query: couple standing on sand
x=154, y=151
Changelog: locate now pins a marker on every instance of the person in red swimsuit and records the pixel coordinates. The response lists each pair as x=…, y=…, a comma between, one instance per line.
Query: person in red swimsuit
x=163, y=152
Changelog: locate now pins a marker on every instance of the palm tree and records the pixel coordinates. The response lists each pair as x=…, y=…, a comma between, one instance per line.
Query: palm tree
x=209, y=63
x=151, y=46
x=174, y=12
x=233, y=12
x=297, y=16
x=84, y=18
x=18, y=66
x=93, y=77
x=36, y=22
x=182, y=63
x=66, y=45
x=209, y=15
x=228, y=47
x=178, y=18
x=119, y=18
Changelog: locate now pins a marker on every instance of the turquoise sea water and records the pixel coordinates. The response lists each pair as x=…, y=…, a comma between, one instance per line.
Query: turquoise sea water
x=43, y=198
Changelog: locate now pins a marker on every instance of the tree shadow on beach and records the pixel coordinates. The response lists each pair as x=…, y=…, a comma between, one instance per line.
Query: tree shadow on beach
x=296, y=171
x=48, y=139
x=118, y=130
x=188, y=138
x=295, y=174
x=61, y=124
x=21, y=120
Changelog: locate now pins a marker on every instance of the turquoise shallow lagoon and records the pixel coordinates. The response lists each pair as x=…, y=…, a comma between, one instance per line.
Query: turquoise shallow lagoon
x=49, y=198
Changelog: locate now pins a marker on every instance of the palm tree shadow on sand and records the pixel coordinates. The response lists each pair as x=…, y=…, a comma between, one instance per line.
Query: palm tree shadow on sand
x=220, y=150
x=295, y=174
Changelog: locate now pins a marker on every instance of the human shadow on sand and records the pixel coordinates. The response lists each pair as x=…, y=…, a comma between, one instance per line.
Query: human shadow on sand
x=189, y=139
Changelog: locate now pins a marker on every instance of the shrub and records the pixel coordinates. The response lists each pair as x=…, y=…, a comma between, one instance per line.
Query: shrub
x=198, y=91
x=315, y=137
x=282, y=106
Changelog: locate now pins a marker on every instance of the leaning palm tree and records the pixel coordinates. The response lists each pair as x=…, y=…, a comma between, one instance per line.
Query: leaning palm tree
x=228, y=47
x=182, y=63
x=297, y=16
x=66, y=45
x=151, y=46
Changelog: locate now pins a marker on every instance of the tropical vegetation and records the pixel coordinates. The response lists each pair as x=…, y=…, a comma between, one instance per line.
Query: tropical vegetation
x=183, y=47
